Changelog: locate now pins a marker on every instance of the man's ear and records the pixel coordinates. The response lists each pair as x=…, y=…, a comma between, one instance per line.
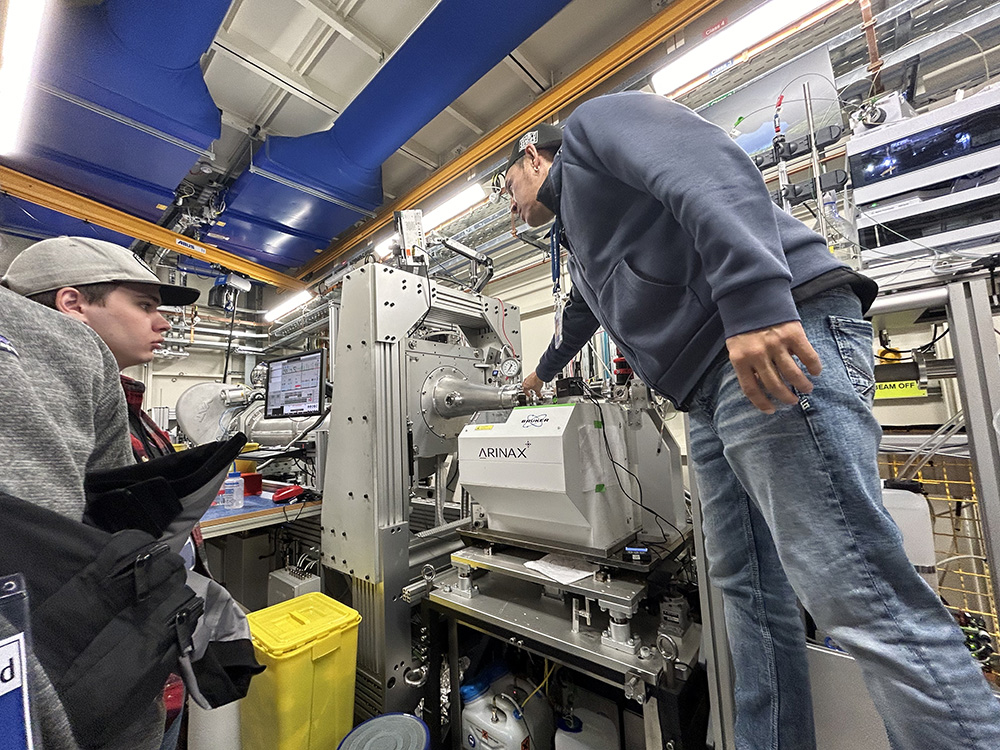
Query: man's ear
x=532, y=158
x=70, y=300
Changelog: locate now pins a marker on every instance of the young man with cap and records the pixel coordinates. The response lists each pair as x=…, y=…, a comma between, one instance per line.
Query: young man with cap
x=62, y=415
x=108, y=288
x=111, y=290
x=739, y=314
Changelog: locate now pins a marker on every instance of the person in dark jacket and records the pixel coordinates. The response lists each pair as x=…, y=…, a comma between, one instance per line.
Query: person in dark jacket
x=739, y=314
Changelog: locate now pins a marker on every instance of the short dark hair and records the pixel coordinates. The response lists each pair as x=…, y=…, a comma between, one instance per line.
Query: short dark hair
x=95, y=294
x=541, y=136
x=548, y=153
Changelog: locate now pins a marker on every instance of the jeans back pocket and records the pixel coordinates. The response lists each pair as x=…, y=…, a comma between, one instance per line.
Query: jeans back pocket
x=854, y=342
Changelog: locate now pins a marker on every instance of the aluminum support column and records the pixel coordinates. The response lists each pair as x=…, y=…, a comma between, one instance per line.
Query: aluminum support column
x=974, y=341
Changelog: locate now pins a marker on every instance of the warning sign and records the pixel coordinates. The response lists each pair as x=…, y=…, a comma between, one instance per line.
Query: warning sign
x=899, y=389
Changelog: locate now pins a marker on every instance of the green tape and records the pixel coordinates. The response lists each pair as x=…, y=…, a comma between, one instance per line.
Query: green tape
x=598, y=424
x=599, y=488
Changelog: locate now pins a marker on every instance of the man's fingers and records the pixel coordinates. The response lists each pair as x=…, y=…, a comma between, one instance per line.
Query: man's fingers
x=766, y=359
x=532, y=384
x=808, y=357
x=775, y=385
x=751, y=389
x=792, y=373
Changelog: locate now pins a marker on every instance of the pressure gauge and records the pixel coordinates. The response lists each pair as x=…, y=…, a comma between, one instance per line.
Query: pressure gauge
x=510, y=367
x=258, y=375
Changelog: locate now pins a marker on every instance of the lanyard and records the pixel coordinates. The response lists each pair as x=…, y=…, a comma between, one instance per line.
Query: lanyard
x=557, y=300
x=554, y=252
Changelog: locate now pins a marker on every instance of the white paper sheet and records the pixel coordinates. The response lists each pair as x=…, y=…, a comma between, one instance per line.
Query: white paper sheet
x=561, y=568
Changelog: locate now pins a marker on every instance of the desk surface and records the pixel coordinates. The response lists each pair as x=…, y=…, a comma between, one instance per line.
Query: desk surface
x=257, y=511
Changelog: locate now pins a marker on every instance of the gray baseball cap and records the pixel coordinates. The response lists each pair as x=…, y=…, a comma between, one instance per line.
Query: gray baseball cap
x=75, y=261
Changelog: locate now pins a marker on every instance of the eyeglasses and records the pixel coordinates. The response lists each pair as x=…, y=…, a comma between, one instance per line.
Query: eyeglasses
x=498, y=190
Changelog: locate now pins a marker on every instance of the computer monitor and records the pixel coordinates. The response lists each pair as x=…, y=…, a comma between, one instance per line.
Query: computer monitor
x=295, y=386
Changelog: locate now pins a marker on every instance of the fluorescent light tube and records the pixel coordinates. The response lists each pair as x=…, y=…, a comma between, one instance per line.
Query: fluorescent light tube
x=453, y=207
x=20, y=39
x=731, y=41
x=288, y=305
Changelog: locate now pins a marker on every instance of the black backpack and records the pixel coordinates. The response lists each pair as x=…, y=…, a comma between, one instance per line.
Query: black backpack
x=110, y=614
x=109, y=610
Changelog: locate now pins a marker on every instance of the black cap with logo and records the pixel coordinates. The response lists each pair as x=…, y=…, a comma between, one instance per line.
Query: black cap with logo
x=542, y=136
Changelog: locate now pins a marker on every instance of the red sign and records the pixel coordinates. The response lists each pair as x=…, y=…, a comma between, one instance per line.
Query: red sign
x=712, y=29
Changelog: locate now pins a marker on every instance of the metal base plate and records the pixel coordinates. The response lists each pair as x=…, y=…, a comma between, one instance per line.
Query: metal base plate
x=506, y=607
x=611, y=557
x=624, y=593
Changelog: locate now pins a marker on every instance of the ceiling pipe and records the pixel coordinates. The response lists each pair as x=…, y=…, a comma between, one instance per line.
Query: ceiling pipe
x=120, y=111
x=172, y=35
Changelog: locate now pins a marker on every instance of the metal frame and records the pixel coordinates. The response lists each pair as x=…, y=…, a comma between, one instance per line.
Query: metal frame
x=69, y=203
x=973, y=339
x=507, y=611
x=378, y=436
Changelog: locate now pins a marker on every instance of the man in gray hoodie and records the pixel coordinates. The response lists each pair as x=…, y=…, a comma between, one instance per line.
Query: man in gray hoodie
x=738, y=313
x=62, y=414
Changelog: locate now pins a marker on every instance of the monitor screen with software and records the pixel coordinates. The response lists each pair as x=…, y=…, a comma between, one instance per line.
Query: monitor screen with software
x=295, y=386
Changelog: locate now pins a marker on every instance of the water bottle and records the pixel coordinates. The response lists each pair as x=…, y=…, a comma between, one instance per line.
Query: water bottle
x=232, y=491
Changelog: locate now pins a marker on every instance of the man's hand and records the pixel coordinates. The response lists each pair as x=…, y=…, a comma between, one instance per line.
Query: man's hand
x=533, y=384
x=764, y=363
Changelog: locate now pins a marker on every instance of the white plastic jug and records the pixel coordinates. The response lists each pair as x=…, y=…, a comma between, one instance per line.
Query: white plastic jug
x=537, y=711
x=493, y=723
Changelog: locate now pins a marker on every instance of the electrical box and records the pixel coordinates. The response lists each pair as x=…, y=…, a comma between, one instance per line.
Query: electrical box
x=289, y=583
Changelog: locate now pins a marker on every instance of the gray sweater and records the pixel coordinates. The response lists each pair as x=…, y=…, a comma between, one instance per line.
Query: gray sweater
x=62, y=414
x=674, y=244
x=62, y=410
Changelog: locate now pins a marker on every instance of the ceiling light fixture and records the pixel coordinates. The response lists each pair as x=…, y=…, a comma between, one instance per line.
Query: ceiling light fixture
x=288, y=305
x=758, y=30
x=20, y=38
x=453, y=207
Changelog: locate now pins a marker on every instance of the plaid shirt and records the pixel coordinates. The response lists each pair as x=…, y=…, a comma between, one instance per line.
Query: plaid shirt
x=148, y=440
x=141, y=425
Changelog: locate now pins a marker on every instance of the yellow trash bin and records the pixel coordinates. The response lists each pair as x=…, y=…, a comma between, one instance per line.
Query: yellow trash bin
x=304, y=700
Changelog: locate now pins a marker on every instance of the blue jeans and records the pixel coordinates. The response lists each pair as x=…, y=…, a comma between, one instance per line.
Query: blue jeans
x=791, y=506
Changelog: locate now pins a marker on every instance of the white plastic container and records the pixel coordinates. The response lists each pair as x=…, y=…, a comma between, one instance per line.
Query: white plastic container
x=232, y=491
x=588, y=730
x=493, y=723
x=537, y=711
x=913, y=517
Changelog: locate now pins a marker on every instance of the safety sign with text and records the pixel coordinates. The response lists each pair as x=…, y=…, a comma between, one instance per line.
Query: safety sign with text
x=899, y=389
